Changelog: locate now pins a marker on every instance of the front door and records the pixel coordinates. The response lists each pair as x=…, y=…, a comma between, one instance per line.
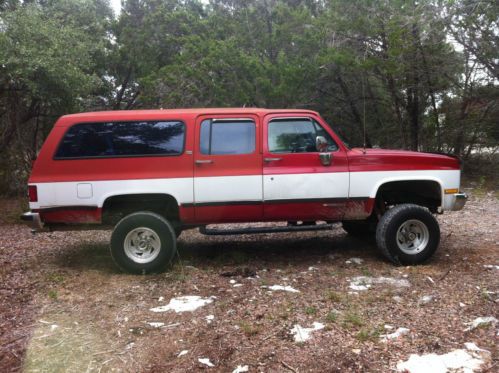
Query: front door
x=297, y=185
x=228, y=169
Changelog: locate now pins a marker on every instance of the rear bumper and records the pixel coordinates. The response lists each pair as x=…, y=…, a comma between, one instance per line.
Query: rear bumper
x=459, y=201
x=32, y=219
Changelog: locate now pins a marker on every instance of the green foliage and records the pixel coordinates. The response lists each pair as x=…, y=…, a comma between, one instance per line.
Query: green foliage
x=310, y=310
x=49, y=66
x=398, y=73
x=353, y=319
x=249, y=329
x=332, y=316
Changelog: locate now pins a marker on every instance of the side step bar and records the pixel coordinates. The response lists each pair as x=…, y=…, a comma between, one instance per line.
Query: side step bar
x=252, y=230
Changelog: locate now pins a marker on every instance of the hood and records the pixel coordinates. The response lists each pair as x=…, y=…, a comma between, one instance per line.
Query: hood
x=402, y=159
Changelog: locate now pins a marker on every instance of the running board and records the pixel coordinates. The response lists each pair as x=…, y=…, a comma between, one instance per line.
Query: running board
x=252, y=230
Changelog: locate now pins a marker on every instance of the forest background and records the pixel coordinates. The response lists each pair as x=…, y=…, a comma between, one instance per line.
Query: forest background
x=420, y=75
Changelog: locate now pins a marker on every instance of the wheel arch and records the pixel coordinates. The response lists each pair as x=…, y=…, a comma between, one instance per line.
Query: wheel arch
x=116, y=206
x=428, y=191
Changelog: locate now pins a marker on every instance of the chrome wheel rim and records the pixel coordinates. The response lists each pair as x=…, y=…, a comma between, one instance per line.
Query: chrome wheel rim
x=412, y=237
x=142, y=245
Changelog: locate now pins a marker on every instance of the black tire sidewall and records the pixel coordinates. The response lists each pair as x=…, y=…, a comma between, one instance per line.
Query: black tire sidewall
x=403, y=215
x=154, y=222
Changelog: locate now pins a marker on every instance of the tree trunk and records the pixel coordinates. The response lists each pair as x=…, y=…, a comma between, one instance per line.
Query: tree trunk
x=355, y=112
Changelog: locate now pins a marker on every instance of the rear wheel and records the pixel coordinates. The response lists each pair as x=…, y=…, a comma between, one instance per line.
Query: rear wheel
x=408, y=234
x=143, y=242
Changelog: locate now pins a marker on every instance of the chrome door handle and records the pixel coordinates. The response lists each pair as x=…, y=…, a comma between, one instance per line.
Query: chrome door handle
x=203, y=161
x=272, y=159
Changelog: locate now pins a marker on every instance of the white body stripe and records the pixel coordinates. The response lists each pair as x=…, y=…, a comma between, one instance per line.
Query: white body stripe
x=302, y=186
x=243, y=188
x=65, y=193
x=228, y=188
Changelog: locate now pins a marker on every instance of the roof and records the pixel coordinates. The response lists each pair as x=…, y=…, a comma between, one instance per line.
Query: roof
x=193, y=112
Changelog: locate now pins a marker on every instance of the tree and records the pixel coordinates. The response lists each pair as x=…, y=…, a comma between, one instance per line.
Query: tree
x=49, y=66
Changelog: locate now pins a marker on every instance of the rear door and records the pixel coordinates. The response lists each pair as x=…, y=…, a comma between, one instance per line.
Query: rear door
x=296, y=184
x=228, y=169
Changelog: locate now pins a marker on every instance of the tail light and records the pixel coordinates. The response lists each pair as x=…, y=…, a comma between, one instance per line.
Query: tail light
x=32, y=193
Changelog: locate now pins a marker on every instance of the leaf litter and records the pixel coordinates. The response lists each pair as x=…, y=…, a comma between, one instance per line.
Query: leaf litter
x=73, y=283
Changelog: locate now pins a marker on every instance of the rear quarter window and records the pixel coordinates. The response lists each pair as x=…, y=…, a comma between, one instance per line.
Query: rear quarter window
x=122, y=139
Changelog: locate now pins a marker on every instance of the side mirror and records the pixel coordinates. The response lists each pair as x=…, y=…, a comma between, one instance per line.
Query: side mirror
x=321, y=144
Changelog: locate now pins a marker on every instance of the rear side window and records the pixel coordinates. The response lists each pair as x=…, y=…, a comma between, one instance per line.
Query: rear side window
x=122, y=139
x=296, y=136
x=227, y=136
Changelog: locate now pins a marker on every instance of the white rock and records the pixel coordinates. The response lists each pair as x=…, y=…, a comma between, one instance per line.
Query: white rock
x=396, y=334
x=313, y=268
x=206, y=361
x=433, y=363
x=156, y=324
x=354, y=260
x=480, y=321
x=187, y=303
x=360, y=283
x=182, y=353
x=237, y=285
x=210, y=318
x=454, y=361
x=490, y=266
x=303, y=334
x=470, y=346
x=425, y=299
x=283, y=288
x=359, y=287
x=232, y=281
x=241, y=369
x=53, y=327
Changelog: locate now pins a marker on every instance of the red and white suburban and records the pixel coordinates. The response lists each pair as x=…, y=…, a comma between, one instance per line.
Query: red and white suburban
x=152, y=173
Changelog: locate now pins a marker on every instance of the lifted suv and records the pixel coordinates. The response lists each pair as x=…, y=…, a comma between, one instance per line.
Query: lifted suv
x=151, y=174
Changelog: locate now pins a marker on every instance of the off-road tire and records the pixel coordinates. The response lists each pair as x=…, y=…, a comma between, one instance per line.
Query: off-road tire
x=151, y=221
x=388, y=228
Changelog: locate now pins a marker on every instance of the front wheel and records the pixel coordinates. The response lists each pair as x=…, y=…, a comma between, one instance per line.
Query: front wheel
x=143, y=242
x=408, y=234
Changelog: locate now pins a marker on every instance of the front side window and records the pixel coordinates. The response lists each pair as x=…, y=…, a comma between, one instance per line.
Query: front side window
x=227, y=136
x=296, y=135
x=122, y=139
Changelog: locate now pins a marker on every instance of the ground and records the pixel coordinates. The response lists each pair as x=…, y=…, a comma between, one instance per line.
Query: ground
x=65, y=307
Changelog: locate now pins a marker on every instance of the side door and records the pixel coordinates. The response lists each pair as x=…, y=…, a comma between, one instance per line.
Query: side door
x=228, y=169
x=297, y=184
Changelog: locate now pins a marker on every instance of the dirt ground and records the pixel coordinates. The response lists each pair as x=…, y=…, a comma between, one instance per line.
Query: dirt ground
x=65, y=307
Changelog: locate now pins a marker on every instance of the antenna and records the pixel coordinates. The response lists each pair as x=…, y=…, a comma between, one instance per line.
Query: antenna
x=364, y=105
x=364, y=114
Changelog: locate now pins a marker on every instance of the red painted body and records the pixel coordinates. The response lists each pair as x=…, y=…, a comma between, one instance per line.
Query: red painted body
x=395, y=160
x=48, y=170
